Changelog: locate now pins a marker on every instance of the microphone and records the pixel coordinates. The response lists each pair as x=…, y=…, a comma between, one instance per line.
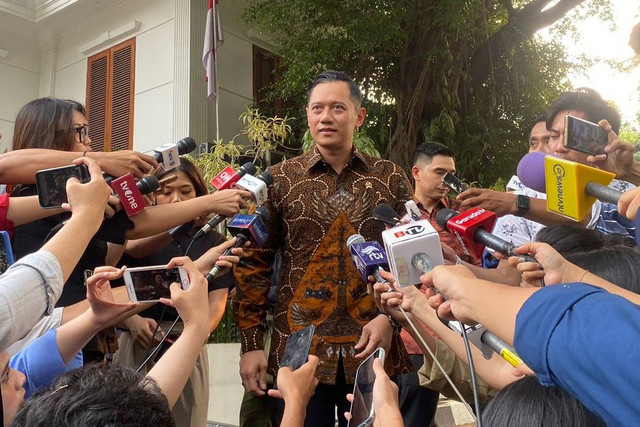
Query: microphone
x=130, y=192
x=259, y=192
x=470, y=229
x=403, y=241
x=257, y=186
x=386, y=214
x=169, y=154
x=368, y=257
x=244, y=228
x=571, y=187
x=228, y=176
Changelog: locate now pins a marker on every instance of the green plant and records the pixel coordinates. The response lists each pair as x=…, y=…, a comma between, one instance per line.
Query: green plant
x=264, y=134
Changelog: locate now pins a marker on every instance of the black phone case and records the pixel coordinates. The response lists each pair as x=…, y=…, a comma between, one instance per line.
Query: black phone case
x=52, y=193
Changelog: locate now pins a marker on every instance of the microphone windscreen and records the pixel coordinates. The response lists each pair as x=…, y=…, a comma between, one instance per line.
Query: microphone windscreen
x=355, y=238
x=443, y=216
x=385, y=213
x=531, y=171
x=249, y=168
x=186, y=145
x=148, y=184
x=263, y=212
x=266, y=177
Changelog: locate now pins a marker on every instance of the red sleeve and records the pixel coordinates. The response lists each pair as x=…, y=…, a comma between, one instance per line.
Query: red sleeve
x=5, y=224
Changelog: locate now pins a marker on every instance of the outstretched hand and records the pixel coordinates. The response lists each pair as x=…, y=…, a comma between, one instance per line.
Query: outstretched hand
x=105, y=311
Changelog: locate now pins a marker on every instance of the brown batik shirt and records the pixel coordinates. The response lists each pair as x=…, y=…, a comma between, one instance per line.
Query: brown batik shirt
x=314, y=210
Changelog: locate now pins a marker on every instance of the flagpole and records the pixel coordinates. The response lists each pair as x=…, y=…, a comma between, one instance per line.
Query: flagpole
x=215, y=71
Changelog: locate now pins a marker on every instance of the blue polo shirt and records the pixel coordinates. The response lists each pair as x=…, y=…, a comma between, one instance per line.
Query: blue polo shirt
x=584, y=340
x=41, y=362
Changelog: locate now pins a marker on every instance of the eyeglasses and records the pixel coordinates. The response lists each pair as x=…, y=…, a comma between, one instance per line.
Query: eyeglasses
x=83, y=131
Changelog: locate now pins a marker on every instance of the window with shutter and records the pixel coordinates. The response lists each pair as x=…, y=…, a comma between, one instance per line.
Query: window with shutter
x=110, y=94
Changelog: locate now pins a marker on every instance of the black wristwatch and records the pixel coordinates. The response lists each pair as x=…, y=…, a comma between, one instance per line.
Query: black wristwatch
x=523, y=203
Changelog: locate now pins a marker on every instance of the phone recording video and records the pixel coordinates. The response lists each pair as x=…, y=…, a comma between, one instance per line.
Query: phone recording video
x=51, y=184
x=152, y=283
x=454, y=183
x=584, y=136
x=362, y=411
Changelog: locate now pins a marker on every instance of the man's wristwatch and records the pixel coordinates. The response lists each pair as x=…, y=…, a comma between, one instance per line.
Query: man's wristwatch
x=523, y=203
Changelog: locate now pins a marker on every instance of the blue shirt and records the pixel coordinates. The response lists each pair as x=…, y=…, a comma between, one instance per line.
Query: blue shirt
x=584, y=340
x=41, y=362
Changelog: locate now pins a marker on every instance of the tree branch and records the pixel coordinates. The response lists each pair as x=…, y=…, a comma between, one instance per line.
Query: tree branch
x=522, y=25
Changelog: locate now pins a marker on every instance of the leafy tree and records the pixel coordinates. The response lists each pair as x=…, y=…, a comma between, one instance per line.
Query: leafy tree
x=468, y=73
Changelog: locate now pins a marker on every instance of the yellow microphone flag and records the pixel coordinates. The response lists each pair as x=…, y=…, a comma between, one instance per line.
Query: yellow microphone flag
x=566, y=182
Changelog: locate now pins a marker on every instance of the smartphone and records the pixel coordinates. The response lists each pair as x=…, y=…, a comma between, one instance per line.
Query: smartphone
x=149, y=284
x=584, y=136
x=296, y=351
x=362, y=411
x=454, y=183
x=51, y=184
x=6, y=253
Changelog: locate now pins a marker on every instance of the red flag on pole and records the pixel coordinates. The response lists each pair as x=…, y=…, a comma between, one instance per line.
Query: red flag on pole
x=213, y=39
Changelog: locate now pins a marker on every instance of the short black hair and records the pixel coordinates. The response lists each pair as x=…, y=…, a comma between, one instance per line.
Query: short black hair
x=337, y=76
x=542, y=117
x=589, y=102
x=528, y=403
x=427, y=150
x=97, y=396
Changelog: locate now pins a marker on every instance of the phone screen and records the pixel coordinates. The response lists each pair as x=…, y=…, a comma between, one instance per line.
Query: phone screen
x=6, y=253
x=362, y=405
x=584, y=136
x=51, y=184
x=153, y=284
x=454, y=183
x=296, y=352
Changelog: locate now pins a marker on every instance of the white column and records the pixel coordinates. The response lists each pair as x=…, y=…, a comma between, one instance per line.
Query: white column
x=181, y=69
x=48, y=42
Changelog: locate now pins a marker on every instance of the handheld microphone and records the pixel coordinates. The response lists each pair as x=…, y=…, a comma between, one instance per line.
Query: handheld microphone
x=403, y=241
x=571, y=187
x=130, y=192
x=228, y=176
x=368, y=257
x=244, y=228
x=256, y=185
x=470, y=229
x=259, y=192
x=386, y=214
x=169, y=154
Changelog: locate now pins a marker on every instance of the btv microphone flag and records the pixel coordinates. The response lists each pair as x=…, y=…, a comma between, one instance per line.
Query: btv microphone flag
x=250, y=226
x=403, y=242
x=567, y=185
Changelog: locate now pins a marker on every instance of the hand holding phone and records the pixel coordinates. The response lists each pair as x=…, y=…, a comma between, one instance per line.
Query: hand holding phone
x=454, y=183
x=584, y=136
x=51, y=184
x=296, y=351
x=149, y=284
x=362, y=408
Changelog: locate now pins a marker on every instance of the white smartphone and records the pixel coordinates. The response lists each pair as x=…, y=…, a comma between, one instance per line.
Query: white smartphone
x=362, y=411
x=149, y=284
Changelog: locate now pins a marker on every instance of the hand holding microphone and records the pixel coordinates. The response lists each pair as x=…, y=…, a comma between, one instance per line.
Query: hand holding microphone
x=249, y=187
x=244, y=228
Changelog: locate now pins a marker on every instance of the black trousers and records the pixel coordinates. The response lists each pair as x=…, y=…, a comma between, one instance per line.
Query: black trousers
x=321, y=411
x=417, y=404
